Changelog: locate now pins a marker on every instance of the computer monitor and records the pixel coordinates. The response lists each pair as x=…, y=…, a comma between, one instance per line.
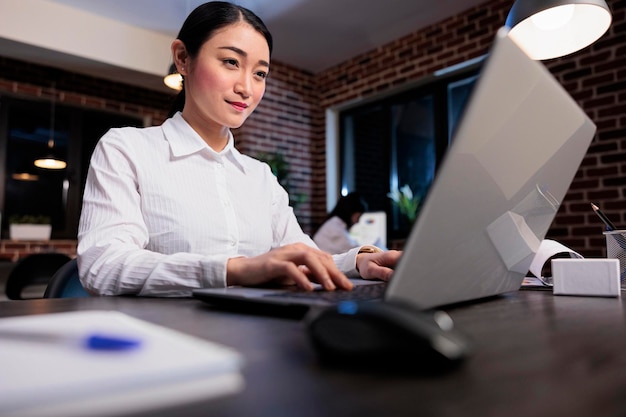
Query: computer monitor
x=371, y=229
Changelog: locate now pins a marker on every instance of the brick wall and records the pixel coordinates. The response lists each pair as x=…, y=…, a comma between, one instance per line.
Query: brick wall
x=291, y=117
x=13, y=250
x=30, y=81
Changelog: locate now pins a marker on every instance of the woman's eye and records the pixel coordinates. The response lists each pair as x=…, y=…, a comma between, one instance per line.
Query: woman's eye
x=261, y=74
x=232, y=62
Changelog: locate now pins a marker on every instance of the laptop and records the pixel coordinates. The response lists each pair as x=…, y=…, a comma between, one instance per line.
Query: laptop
x=518, y=146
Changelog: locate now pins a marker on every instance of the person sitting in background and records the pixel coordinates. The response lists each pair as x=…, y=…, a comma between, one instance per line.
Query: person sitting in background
x=171, y=208
x=333, y=236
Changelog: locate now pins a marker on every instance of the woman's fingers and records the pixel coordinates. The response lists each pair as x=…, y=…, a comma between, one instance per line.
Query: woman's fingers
x=320, y=270
x=378, y=265
x=295, y=274
x=296, y=263
x=318, y=266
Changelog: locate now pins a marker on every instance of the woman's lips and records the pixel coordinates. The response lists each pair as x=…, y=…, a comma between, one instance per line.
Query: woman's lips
x=238, y=106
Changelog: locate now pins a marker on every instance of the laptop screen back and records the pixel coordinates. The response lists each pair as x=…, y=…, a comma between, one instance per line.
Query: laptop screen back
x=517, y=148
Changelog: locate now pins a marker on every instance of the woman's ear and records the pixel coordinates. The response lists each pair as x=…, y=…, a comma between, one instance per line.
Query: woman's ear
x=180, y=56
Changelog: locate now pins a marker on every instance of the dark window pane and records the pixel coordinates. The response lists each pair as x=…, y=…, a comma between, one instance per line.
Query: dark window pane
x=365, y=153
x=458, y=93
x=400, y=140
x=413, y=151
x=29, y=190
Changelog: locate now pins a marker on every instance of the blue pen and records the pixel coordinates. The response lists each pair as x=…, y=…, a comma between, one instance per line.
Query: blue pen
x=94, y=341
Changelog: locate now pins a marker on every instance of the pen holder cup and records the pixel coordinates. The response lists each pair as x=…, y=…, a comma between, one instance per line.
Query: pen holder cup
x=616, y=249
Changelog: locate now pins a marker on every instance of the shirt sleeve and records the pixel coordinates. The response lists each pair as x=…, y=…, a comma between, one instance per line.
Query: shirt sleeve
x=112, y=235
x=287, y=230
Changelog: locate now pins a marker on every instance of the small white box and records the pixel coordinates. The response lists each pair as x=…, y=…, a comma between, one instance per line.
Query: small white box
x=592, y=277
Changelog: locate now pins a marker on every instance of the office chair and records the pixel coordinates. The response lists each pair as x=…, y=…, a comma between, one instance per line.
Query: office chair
x=32, y=270
x=65, y=283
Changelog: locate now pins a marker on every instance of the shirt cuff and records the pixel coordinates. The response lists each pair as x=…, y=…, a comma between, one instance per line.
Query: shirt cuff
x=346, y=262
x=214, y=271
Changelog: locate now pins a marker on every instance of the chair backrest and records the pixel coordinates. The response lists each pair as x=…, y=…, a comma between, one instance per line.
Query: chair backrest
x=33, y=270
x=65, y=283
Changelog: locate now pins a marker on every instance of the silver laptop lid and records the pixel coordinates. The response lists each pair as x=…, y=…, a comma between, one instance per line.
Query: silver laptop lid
x=517, y=148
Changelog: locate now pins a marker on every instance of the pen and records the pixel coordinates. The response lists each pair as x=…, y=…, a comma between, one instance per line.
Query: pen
x=608, y=223
x=95, y=341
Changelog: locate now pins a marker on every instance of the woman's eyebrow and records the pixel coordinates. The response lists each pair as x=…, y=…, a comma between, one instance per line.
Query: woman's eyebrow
x=243, y=54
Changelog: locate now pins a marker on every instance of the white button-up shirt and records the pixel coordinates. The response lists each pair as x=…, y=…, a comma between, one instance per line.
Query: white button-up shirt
x=163, y=212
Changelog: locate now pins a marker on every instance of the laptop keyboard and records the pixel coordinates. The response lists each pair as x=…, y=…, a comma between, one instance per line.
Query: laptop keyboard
x=369, y=292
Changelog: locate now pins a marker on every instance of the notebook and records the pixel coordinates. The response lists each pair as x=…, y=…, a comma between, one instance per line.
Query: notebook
x=48, y=371
x=517, y=147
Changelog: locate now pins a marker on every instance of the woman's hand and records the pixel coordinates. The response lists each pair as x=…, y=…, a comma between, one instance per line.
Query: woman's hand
x=296, y=263
x=377, y=265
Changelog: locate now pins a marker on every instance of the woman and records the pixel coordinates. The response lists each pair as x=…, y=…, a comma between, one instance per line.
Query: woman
x=175, y=207
x=333, y=236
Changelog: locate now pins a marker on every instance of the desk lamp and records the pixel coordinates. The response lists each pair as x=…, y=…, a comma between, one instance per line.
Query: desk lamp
x=547, y=29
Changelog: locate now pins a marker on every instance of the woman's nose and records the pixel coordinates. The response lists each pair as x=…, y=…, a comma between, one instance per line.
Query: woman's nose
x=243, y=86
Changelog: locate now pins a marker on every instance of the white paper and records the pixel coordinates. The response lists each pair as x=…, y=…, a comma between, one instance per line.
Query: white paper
x=169, y=367
x=547, y=249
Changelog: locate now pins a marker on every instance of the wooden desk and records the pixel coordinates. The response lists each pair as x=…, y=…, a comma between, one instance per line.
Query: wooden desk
x=535, y=355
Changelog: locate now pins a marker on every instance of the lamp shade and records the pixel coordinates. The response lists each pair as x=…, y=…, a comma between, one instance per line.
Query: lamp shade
x=24, y=176
x=547, y=29
x=173, y=79
x=50, y=162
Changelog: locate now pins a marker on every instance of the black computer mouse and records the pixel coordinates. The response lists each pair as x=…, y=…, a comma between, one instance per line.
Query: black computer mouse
x=386, y=335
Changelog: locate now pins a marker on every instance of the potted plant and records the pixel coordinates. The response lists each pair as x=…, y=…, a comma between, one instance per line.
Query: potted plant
x=29, y=227
x=280, y=168
x=406, y=201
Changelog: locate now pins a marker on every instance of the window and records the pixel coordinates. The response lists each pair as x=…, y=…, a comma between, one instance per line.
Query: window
x=400, y=140
x=26, y=129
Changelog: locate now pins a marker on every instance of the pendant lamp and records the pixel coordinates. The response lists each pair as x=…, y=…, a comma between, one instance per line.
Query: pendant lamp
x=50, y=160
x=25, y=172
x=23, y=175
x=547, y=29
x=173, y=79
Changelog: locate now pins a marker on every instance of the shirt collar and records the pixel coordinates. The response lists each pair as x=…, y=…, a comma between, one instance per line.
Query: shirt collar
x=184, y=141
